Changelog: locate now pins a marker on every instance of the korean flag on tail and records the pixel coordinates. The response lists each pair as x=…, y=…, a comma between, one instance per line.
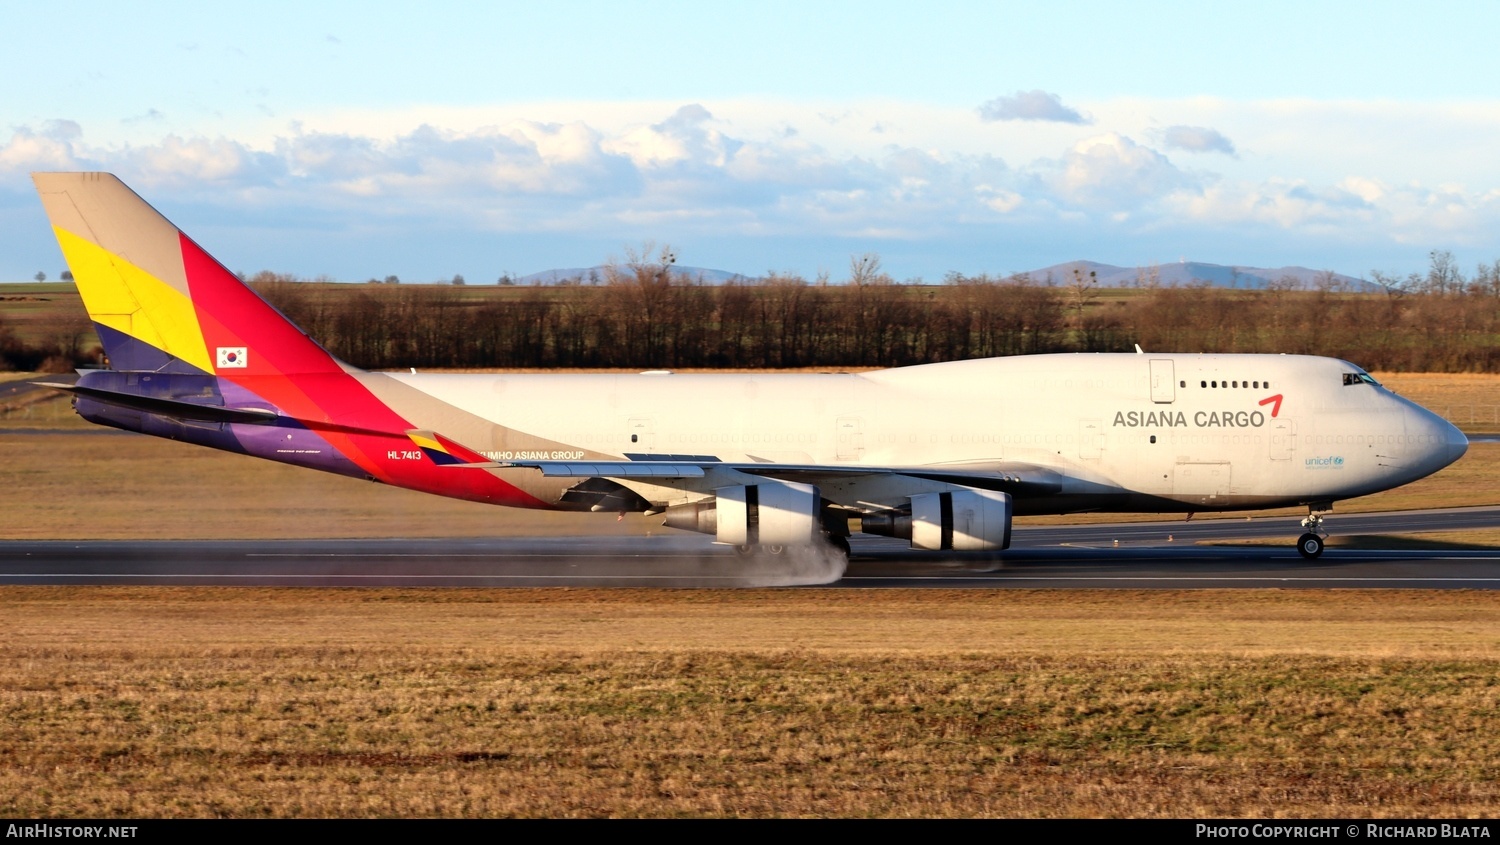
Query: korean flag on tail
x=232, y=356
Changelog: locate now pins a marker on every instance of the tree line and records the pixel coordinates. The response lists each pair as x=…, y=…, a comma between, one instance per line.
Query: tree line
x=641, y=314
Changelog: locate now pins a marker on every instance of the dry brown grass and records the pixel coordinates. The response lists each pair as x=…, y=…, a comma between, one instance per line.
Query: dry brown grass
x=259, y=702
x=1470, y=400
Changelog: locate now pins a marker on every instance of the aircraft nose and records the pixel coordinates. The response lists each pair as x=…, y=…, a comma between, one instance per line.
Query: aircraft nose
x=1456, y=442
x=1441, y=441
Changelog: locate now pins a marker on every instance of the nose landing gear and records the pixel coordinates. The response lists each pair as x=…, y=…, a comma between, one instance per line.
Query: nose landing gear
x=1310, y=544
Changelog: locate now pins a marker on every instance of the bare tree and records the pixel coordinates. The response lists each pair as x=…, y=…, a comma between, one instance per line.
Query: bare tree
x=1443, y=275
x=865, y=270
x=1486, y=280
x=1328, y=282
x=1394, y=285
x=1082, y=291
x=642, y=288
x=1148, y=277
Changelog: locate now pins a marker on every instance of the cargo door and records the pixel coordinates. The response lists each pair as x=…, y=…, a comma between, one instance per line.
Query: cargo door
x=1201, y=482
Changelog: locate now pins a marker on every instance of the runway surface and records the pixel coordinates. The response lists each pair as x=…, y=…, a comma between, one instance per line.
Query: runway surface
x=1130, y=555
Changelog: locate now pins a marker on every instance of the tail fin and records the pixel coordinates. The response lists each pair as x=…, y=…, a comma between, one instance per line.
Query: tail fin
x=234, y=373
x=158, y=301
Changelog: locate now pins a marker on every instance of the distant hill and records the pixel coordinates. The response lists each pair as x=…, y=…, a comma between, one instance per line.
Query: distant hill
x=1177, y=274
x=1182, y=273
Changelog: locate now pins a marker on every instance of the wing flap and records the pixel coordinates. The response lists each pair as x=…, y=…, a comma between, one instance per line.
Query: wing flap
x=613, y=469
x=1014, y=478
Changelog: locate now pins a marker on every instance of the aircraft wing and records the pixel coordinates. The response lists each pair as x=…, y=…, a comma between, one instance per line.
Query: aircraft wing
x=1013, y=477
x=1018, y=479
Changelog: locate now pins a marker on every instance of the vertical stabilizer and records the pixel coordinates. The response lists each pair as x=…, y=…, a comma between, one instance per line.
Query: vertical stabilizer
x=158, y=301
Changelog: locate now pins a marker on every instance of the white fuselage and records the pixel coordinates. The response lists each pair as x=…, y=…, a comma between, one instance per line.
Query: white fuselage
x=1123, y=432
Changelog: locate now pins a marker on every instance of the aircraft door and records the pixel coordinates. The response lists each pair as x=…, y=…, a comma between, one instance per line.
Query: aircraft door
x=640, y=435
x=1090, y=439
x=1283, y=439
x=850, y=438
x=1163, y=381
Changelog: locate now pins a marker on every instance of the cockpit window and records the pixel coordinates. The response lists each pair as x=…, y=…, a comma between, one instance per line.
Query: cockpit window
x=1359, y=378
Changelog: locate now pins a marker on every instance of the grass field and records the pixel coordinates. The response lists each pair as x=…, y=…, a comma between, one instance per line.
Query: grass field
x=1470, y=401
x=259, y=702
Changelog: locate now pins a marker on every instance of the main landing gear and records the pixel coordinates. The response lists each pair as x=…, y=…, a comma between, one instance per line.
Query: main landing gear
x=837, y=543
x=1310, y=544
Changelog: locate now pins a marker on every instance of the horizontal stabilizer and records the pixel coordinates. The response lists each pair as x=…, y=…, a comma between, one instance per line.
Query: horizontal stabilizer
x=173, y=408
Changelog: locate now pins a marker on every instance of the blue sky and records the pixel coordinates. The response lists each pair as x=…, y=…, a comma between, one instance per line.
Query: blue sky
x=357, y=140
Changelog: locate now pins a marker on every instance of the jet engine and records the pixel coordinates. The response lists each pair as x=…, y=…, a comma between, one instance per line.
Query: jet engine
x=779, y=513
x=963, y=521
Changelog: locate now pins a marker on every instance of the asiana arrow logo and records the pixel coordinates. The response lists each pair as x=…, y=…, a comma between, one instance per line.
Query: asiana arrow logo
x=1274, y=402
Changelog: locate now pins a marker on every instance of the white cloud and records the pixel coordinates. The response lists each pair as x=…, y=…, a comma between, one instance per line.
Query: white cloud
x=998, y=199
x=1030, y=105
x=1112, y=171
x=686, y=139
x=51, y=148
x=1369, y=190
x=1375, y=174
x=1197, y=139
x=191, y=161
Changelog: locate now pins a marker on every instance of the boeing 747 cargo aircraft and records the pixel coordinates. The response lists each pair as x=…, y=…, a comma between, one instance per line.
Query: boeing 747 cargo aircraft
x=942, y=455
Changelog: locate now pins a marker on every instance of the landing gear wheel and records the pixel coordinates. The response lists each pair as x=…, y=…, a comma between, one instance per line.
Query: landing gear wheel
x=1310, y=545
x=754, y=550
x=840, y=545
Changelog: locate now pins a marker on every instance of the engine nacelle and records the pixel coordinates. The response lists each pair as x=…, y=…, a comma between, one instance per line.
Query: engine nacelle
x=963, y=521
x=777, y=513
